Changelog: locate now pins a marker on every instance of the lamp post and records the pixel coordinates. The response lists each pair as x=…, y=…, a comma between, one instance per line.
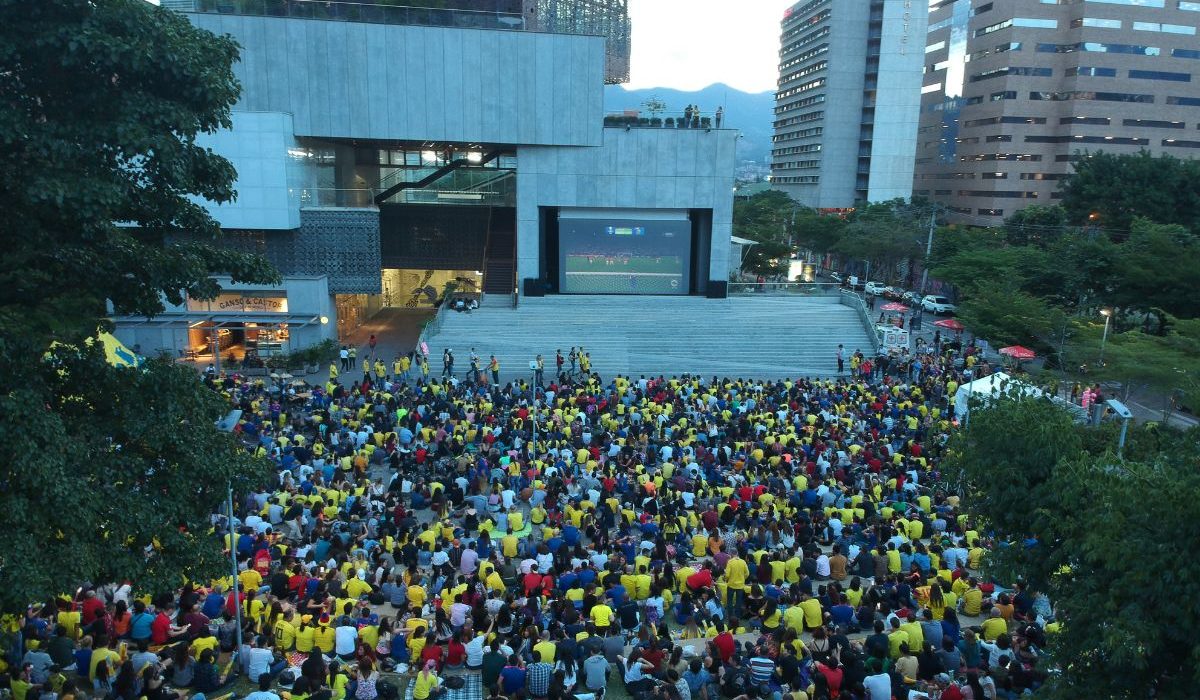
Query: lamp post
x=1107, y=314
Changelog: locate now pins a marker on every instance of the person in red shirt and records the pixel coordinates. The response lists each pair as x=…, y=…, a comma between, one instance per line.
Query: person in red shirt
x=432, y=652
x=92, y=605
x=724, y=642
x=702, y=578
x=532, y=581
x=162, y=630
x=833, y=677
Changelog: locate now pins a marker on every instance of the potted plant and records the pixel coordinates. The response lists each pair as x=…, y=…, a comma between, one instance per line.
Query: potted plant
x=655, y=121
x=670, y=122
x=643, y=121
x=315, y=356
x=705, y=122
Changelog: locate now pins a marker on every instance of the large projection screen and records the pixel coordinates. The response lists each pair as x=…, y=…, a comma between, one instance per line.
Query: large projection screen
x=624, y=251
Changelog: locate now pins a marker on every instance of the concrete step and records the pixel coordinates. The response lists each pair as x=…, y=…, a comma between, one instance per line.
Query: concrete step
x=750, y=337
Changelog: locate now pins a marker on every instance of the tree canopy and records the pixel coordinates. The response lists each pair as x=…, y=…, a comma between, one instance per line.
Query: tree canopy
x=1111, y=190
x=1088, y=529
x=117, y=470
x=764, y=218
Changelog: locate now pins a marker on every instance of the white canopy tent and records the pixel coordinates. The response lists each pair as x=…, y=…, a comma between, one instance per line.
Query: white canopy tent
x=983, y=390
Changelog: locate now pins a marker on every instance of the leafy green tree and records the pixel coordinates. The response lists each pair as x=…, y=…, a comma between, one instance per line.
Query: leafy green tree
x=1154, y=268
x=888, y=235
x=1088, y=530
x=1111, y=190
x=107, y=473
x=1168, y=363
x=1006, y=315
x=1035, y=225
x=764, y=218
x=817, y=232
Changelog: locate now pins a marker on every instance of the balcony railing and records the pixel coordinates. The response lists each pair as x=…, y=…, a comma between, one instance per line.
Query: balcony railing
x=635, y=120
x=353, y=12
x=331, y=197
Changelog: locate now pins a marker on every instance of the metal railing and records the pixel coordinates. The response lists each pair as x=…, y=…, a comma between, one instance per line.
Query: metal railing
x=785, y=288
x=332, y=197
x=856, y=302
x=354, y=12
x=673, y=120
x=433, y=326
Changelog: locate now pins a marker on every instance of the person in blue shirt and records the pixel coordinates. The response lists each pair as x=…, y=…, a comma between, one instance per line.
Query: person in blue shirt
x=616, y=593
x=512, y=676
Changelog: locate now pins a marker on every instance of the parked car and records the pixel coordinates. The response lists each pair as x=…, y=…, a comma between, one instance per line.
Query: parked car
x=893, y=293
x=853, y=282
x=875, y=288
x=836, y=277
x=911, y=298
x=938, y=304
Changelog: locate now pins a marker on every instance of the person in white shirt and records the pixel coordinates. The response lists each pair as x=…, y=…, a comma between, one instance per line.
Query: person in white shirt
x=345, y=635
x=823, y=566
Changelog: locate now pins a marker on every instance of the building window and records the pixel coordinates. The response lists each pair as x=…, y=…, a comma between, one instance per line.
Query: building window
x=1185, y=53
x=1165, y=28
x=1189, y=5
x=1096, y=96
x=999, y=138
x=1032, y=22
x=1184, y=101
x=999, y=194
x=1005, y=120
x=995, y=176
x=1092, y=72
x=1095, y=121
x=1176, y=143
x=990, y=212
x=1161, y=75
x=1153, y=123
x=935, y=46
x=984, y=157
x=1137, y=3
x=1095, y=22
x=1042, y=176
x=1099, y=47
x=1003, y=95
x=1080, y=138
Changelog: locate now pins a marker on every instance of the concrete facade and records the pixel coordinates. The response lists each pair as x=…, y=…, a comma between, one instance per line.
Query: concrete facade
x=257, y=146
x=633, y=169
x=847, y=101
x=1015, y=90
x=386, y=81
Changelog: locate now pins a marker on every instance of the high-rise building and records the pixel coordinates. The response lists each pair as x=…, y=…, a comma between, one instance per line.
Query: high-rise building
x=1015, y=90
x=848, y=101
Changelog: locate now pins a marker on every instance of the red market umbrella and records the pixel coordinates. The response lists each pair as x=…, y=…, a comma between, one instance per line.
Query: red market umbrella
x=893, y=306
x=1018, y=352
x=950, y=323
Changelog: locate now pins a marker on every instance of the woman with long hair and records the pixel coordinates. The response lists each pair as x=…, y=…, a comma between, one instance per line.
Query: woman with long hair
x=937, y=601
x=367, y=677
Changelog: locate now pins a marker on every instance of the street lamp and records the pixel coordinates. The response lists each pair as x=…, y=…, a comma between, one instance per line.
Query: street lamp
x=1107, y=314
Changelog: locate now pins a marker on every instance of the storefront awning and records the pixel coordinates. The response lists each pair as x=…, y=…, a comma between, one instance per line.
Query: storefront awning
x=293, y=320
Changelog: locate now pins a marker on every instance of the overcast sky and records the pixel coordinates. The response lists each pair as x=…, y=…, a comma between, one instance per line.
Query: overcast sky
x=688, y=44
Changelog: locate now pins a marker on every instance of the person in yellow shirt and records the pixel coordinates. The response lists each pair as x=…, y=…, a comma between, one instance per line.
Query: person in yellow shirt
x=994, y=626
x=323, y=636
x=602, y=616
x=736, y=573
x=305, y=635
x=509, y=544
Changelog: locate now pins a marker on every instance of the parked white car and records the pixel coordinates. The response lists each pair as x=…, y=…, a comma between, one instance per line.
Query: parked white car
x=875, y=288
x=938, y=305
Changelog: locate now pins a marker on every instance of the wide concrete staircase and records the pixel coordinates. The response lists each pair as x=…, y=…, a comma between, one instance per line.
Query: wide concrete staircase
x=761, y=337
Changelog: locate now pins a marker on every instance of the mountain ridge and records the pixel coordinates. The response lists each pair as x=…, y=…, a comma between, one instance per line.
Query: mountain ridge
x=751, y=113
